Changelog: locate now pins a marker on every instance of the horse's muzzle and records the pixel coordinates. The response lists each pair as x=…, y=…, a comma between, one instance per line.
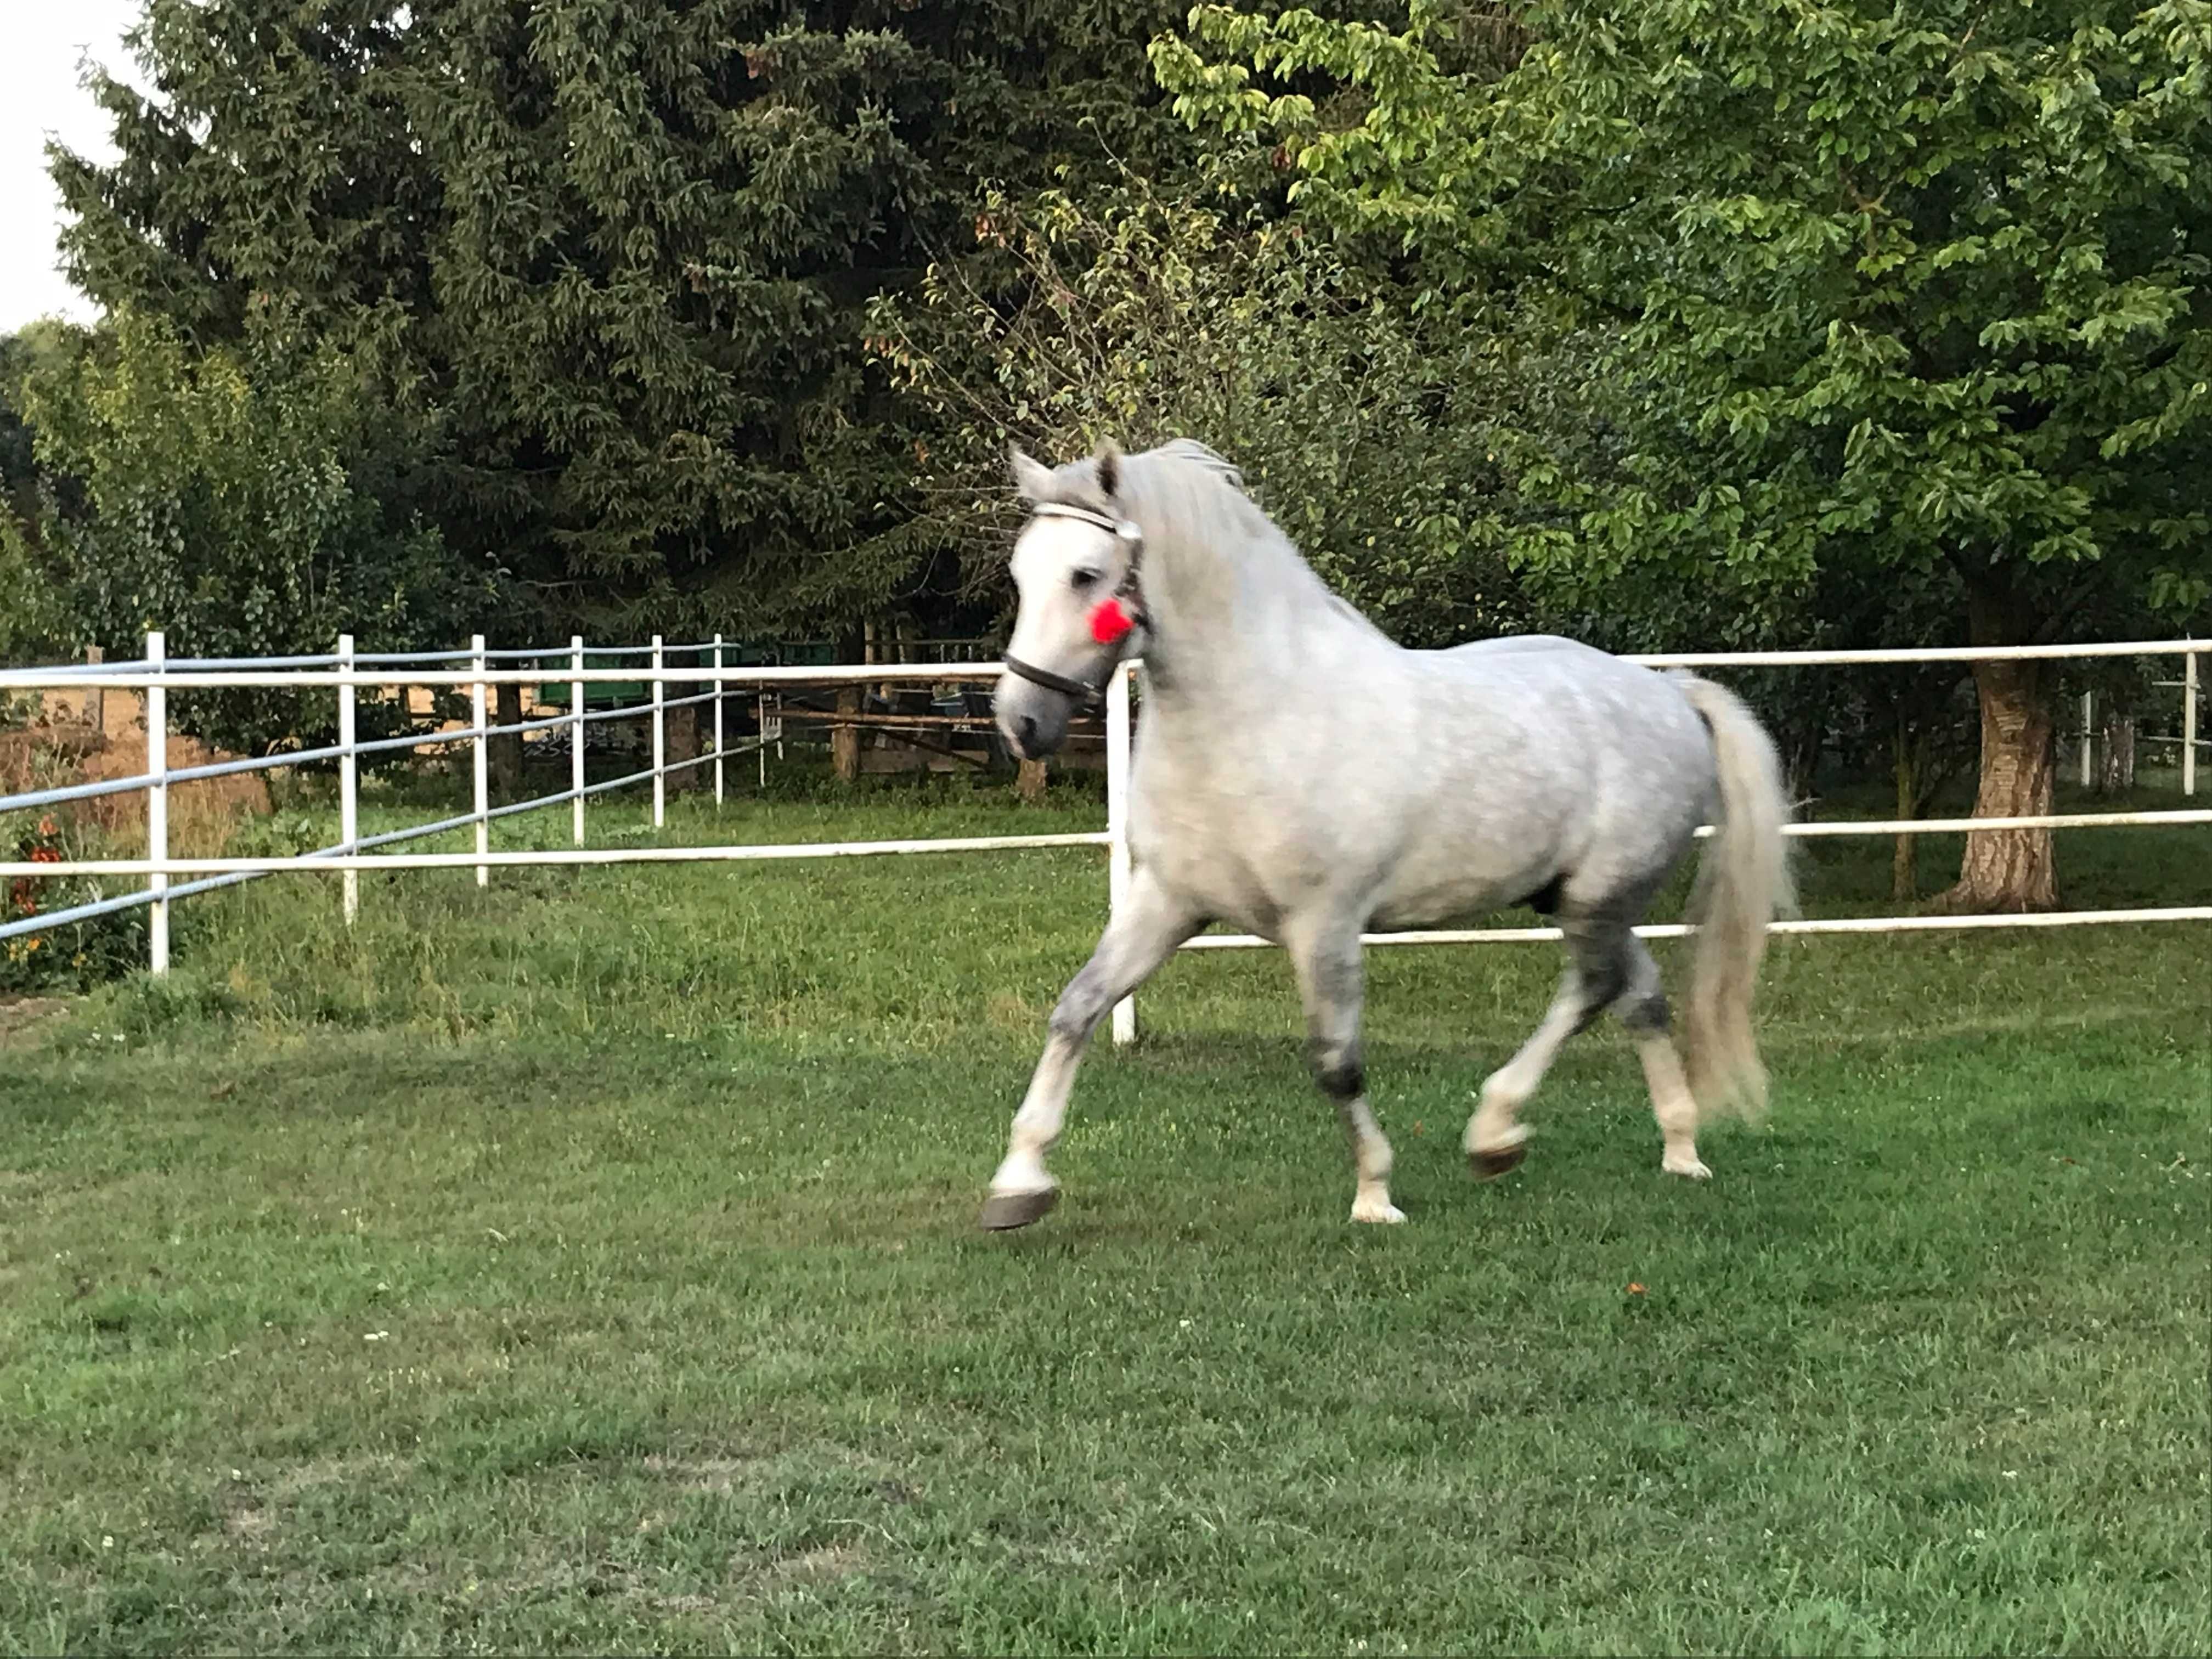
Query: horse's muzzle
x=1032, y=719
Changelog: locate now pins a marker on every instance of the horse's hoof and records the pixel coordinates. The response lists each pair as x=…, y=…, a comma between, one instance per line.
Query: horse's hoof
x=1489, y=1165
x=1004, y=1212
x=1377, y=1211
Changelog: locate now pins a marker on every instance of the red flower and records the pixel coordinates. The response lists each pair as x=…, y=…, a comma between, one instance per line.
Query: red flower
x=1109, y=624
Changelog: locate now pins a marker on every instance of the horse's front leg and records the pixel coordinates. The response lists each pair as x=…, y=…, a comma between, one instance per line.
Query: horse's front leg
x=1332, y=982
x=1136, y=942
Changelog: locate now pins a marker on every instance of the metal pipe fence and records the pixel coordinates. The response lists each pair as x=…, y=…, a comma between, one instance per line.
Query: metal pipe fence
x=348, y=672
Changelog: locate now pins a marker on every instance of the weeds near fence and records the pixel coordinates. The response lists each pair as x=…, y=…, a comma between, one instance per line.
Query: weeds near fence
x=76, y=955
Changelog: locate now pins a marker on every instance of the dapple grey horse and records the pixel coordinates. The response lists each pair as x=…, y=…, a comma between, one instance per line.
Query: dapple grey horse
x=1298, y=775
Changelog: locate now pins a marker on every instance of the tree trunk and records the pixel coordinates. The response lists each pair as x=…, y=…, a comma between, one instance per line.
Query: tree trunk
x=2011, y=870
x=1904, y=874
x=683, y=742
x=95, y=698
x=2008, y=871
x=503, y=755
x=2116, y=770
x=1801, y=753
x=1029, y=782
x=845, y=740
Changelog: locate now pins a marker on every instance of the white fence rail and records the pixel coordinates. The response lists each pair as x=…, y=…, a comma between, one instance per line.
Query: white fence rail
x=348, y=672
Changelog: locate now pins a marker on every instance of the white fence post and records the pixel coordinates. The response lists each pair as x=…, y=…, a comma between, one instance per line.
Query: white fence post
x=482, y=761
x=349, y=784
x=2189, y=724
x=576, y=733
x=660, y=740
x=157, y=800
x=1119, y=867
x=717, y=720
x=2088, y=716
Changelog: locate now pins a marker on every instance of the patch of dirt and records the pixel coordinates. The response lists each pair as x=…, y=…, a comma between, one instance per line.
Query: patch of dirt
x=714, y=1475
x=333, y=1471
x=829, y=1561
x=202, y=814
x=246, y=1524
x=19, y=1014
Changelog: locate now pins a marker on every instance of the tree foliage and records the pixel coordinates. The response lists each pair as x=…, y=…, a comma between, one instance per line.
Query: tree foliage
x=1929, y=281
x=622, y=244
x=235, y=499
x=28, y=629
x=1358, y=421
x=34, y=624
x=1898, y=289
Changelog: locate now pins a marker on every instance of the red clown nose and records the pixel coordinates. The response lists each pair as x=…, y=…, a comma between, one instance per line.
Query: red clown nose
x=1109, y=624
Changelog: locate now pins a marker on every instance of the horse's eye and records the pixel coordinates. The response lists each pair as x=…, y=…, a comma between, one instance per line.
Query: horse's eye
x=1082, y=579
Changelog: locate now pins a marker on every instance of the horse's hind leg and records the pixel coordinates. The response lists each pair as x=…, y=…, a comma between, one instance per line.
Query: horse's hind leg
x=1609, y=967
x=1597, y=974
x=1142, y=936
x=1496, y=1140
x=1332, y=983
x=1642, y=1010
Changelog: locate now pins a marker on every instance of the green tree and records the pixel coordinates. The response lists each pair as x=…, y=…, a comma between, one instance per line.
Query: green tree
x=1142, y=315
x=624, y=246
x=23, y=587
x=231, y=498
x=34, y=623
x=28, y=628
x=1886, y=290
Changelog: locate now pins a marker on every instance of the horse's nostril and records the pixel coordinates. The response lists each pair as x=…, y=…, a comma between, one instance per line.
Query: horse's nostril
x=1028, y=731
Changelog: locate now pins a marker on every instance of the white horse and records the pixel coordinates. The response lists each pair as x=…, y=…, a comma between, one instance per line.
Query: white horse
x=1301, y=777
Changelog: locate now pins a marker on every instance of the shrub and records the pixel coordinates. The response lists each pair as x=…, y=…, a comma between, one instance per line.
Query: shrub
x=76, y=955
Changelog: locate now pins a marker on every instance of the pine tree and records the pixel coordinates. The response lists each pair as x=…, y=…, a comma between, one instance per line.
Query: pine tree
x=622, y=248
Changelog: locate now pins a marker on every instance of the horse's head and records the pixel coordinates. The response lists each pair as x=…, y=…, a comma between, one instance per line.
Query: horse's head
x=1081, y=610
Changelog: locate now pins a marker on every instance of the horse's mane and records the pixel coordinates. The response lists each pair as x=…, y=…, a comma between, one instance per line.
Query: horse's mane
x=1190, y=493
x=1185, y=492
x=1189, y=449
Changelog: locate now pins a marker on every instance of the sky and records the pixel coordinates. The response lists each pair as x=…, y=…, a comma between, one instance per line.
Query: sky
x=46, y=40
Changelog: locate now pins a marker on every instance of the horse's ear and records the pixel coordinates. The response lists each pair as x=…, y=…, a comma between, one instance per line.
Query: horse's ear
x=1109, y=463
x=1032, y=479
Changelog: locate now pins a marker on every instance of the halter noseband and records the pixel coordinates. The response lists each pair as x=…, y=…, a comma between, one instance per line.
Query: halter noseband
x=1112, y=620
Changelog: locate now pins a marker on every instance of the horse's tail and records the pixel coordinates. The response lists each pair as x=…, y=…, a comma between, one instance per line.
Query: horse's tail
x=1743, y=883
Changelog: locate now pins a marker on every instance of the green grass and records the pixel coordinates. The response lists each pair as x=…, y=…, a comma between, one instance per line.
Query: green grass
x=588, y=1264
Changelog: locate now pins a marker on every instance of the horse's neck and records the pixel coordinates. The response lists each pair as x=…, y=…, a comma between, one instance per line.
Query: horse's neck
x=1229, y=623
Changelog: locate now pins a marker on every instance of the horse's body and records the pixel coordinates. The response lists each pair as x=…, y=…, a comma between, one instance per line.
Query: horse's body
x=1299, y=775
x=1413, y=831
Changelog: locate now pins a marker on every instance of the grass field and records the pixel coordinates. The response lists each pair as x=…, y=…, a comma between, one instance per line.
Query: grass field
x=589, y=1264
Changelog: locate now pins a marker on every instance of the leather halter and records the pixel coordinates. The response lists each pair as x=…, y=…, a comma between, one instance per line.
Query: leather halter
x=1129, y=594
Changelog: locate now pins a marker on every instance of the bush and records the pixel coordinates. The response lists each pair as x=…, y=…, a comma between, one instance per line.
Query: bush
x=76, y=955
x=250, y=500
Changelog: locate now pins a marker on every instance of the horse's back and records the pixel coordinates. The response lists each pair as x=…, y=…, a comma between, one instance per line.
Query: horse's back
x=1506, y=644
x=1611, y=693
x=1521, y=646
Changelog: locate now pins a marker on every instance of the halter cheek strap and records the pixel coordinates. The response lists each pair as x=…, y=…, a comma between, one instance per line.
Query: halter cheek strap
x=1112, y=620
